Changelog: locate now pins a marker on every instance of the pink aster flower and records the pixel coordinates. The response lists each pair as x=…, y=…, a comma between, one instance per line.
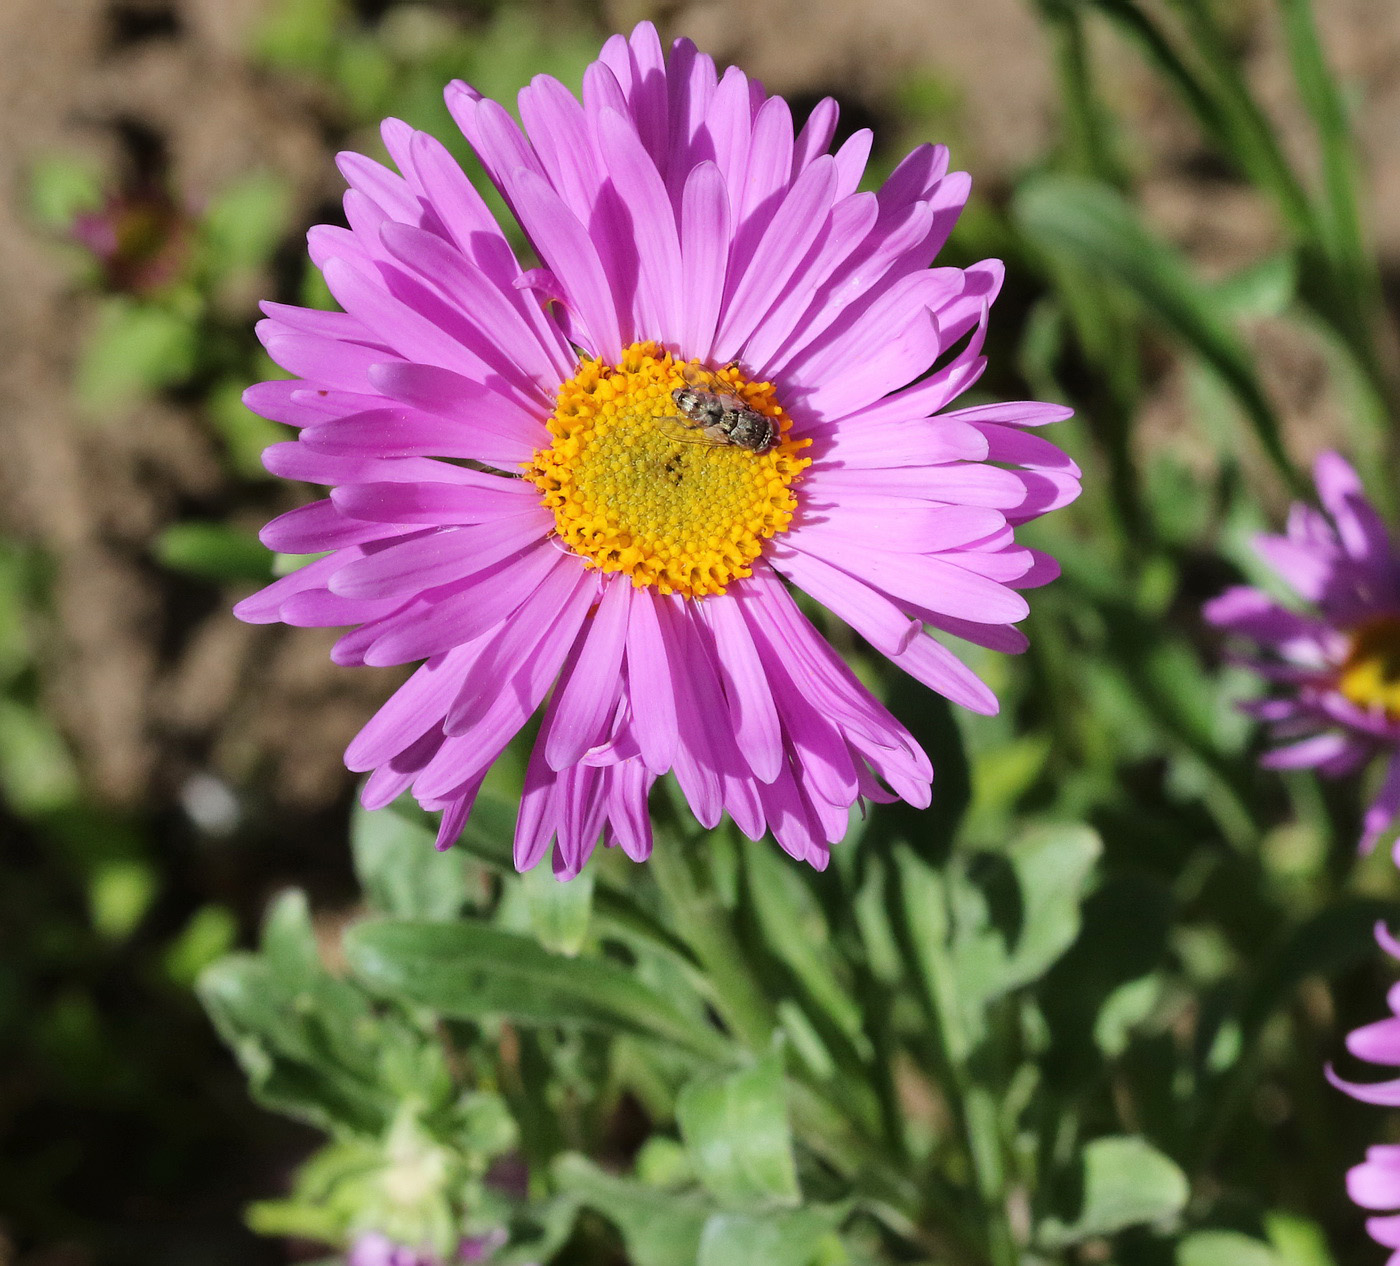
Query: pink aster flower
x=1375, y=1183
x=586, y=487
x=1337, y=661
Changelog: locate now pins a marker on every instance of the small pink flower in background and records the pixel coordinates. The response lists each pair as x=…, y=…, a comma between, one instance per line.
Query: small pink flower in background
x=586, y=487
x=374, y=1249
x=1336, y=660
x=1375, y=1183
x=141, y=237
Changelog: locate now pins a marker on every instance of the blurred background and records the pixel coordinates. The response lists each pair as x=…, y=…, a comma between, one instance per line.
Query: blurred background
x=1182, y=269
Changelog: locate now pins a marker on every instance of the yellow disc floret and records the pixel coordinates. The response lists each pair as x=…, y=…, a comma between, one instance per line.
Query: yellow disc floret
x=635, y=489
x=1370, y=676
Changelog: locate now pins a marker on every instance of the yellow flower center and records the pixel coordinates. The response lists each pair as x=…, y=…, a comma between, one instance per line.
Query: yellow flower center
x=1370, y=675
x=637, y=487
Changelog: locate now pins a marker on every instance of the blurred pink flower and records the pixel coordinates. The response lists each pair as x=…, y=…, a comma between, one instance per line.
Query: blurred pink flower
x=717, y=382
x=141, y=238
x=374, y=1249
x=1336, y=660
x=1375, y=1183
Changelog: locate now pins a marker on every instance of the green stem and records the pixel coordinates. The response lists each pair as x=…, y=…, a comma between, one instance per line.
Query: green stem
x=974, y=1105
x=682, y=872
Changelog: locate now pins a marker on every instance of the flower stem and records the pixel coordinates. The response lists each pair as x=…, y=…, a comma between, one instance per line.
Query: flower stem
x=683, y=874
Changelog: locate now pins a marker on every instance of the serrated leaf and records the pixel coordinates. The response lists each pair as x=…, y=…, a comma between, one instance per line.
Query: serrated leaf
x=790, y=1238
x=310, y=1044
x=296, y=1063
x=402, y=874
x=1123, y=1181
x=470, y=969
x=736, y=1131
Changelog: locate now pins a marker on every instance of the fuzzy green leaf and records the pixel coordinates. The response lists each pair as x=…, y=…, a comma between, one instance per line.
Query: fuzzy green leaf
x=736, y=1131
x=1123, y=1181
x=470, y=969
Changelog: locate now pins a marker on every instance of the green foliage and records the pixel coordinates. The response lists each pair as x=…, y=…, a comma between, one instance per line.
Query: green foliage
x=1224, y=1248
x=213, y=551
x=243, y=225
x=1098, y=232
x=402, y=874
x=136, y=348
x=736, y=1131
x=1123, y=1182
x=1072, y=1012
x=470, y=970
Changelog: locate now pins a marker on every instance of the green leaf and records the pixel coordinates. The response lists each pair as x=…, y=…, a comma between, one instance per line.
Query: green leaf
x=299, y=1060
x=1093, y=226
x=1125, y=1009
x=1352, y=260
x=1263, y=289
x=1297, y=1241
x=214, y=551
x=400, y=870
x=1224, y=1248
x=736, y=1130
x=246, y=436
x=1124, y=1181
x=289, y=940
x=37, y=774
x=793, y=928
x=559, y=912
x=210, y=933
x=243, y=224
x=997, y=949
x=310, y=1044
x=775, y=1239
x=61, y=187
x=659, y=1229
x=136, y=349
x=470, y=970
x=120, y=893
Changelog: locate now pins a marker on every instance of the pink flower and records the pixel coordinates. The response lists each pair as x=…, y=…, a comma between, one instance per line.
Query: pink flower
x=716, y=386
x=373, y=1249
x=1337, y=661
x=141, y=237
x=1375, y=1183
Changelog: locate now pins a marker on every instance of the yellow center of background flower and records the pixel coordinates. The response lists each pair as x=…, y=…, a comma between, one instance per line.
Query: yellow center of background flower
x=634, y=490
x=1370, y=676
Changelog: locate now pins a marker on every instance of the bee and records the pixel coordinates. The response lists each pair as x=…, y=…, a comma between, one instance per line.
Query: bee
x=711, y=413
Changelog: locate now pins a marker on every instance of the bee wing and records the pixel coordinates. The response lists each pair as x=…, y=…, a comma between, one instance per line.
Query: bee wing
x=684, y=430
x=699, y=376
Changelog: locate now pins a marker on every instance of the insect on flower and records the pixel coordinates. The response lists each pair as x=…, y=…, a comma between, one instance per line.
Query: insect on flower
x=730, y=373
x=706, y=404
